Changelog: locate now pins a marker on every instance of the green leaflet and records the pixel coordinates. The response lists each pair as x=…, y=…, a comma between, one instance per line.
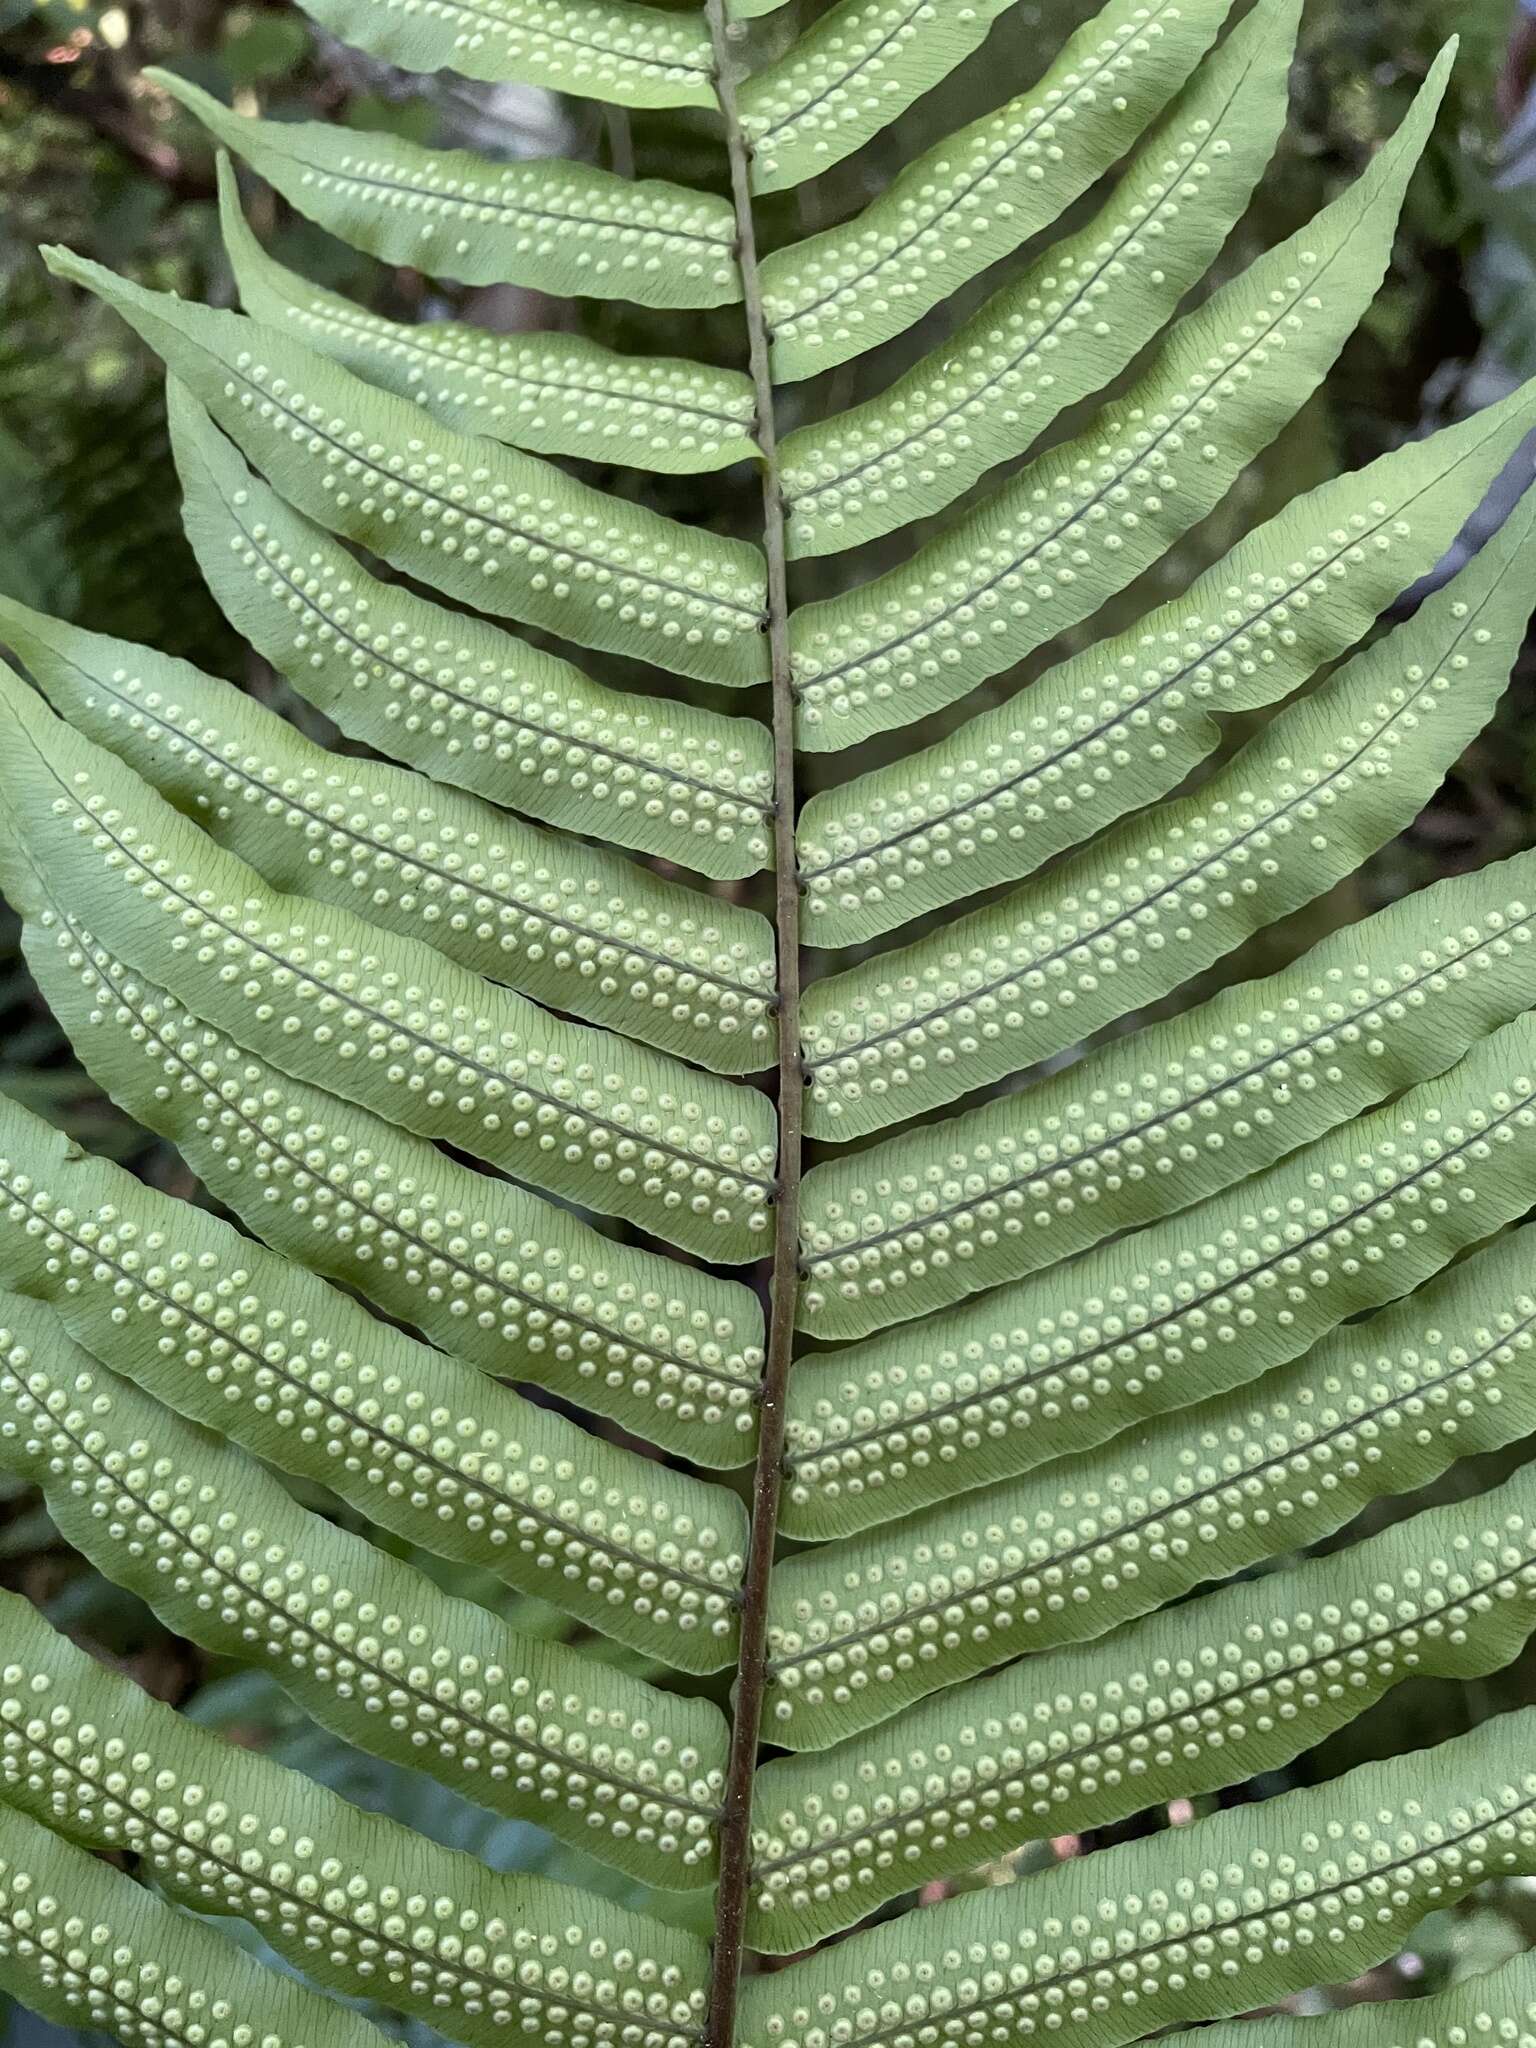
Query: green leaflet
x=1497, y=2007
x=558, y=394
x=611, y=50
x=239, y=1339
x=87, y=1947
x=380, y=1019
x=366, y=1644
x=366, y=1906
x=978, y=195
x=1126, y=720
x=1184, y=1108
x=1214, y=1693
x=1205, y=1298
x=556, y=226
x=851, y=74
x=1375, y=1409
x=576, y=926
x=1326, y=783
x=1048, y=547
x=469, y=705
x=519, y=1287
x=501, y=530
x=1063, y=329
x=1187, y=1925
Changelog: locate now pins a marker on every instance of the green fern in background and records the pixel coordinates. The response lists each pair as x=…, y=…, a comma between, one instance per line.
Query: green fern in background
x=991, y=1570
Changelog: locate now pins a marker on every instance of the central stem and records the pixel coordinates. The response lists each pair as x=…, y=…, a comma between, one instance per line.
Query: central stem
x=735, y=1832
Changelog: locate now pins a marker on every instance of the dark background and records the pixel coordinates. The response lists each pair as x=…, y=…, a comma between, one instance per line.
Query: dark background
x=89, y=529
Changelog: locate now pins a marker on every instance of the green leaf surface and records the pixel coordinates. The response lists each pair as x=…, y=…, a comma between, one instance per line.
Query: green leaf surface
x=575, y=926
x=1377, y=1408
x=362, y=1904
x=556, y=226
x=1193, y=1924
x=1047, y=548
x=239, y=1339
x=467, y=704
x=864, y=1626
x=614, y=50
x=385, y=1021
x=519, y=1287
x=851, y=74
x=981, y=193
x=1214, y=1693
x=1206, y=1298
x=1146, y=1125
x=1126, y=720
x=363, y=1642
x=1499, y=2006
x=557, y=394
x=1065, y=327
x=1326, y=784
x=503, y=531
x=86, y=1946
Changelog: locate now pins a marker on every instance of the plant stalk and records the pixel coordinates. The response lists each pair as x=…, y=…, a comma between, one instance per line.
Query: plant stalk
x=735, y=1830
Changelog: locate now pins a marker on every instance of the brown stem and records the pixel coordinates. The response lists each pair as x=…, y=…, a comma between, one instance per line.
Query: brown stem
x=752, y=1675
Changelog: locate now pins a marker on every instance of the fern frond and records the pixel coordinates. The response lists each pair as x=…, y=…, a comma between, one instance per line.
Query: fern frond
x=1179, y=1111
x=387, y=1021
x=1076, y=526
x=236, y=1338
x=983, y=192
x=1327, y=783
x=362, y=1904
x=617, y=50
x=560, y=227
x=497, y=528
x=557, y=394
x=613, y=943
x=518, y=1287
x=467, y=704
x=850, y=75
x=89, y=1948
x=1201, y=1696
x=1065, y=327
x=1499, y=2006
x=1190, y=1925
x=366, y=1644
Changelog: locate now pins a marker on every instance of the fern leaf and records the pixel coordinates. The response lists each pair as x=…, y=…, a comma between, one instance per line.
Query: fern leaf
x=502, y=530
x=556, y=226
x=517, y=1286
x=1246, y=1277
x=1063, y=329
x=234, y=1337
x=1239, y=1909
x=1329, y=781
x=386, y=1021
x=453, y=696
x=1125, y=721
x=1214, y=1693
x=230, y=1832
x=980, y=194
x=1497, y=2006
x=851, y=74
x=615, y=50
x=1186, y=1310
x=557, y=394
x=1051, y=545
x=366, y=1644
x=87, y=1947
x=1227, y=1483
x=574, y=926
x=1147, y=1125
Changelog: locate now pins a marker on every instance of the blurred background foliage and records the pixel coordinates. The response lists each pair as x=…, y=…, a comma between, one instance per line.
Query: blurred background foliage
x=89, y=528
